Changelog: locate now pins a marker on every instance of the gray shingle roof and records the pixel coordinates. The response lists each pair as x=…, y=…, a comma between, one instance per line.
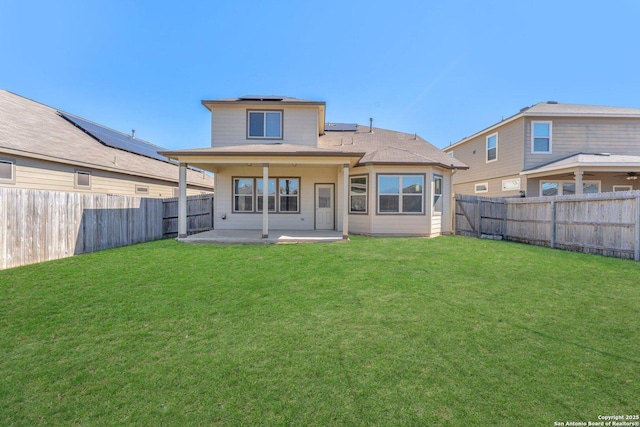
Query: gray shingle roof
x=384, y=146
x=547, y=108
x=31, y=129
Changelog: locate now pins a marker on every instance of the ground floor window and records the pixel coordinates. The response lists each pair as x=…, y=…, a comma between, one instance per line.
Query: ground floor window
x=437, y=194
x=83, y=179
x=358, y=194
x=400, y=194
x=6, y=170
x=283, y=195
x=622, y=187
x=565, y=188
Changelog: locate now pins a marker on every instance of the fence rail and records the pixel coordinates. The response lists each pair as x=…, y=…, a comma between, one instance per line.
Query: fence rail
x=605, y=223
x=38, y=225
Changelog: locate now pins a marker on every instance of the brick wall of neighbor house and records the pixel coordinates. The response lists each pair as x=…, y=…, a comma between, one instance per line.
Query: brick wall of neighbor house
x=229, y=125
x=43, y=175
x=585, y=135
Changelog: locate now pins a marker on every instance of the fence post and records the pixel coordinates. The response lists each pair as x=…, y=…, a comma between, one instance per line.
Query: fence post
x=636, y=254
x=479, y=218
x=552, y=243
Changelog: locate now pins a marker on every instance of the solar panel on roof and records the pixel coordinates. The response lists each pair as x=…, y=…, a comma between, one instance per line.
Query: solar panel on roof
x=262, y=98
x=341, y=127
x=115, y=139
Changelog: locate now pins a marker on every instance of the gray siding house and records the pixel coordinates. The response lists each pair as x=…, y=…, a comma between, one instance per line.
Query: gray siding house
x=552, y=149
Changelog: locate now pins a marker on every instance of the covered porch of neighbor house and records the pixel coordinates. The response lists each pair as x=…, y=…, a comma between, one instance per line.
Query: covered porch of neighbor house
x=584, y=173
x=304, y=189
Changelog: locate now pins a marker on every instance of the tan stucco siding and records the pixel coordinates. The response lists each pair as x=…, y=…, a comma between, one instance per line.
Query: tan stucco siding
x=585, y=135
x=43, y=175
x=229, y=126
x=474, y=154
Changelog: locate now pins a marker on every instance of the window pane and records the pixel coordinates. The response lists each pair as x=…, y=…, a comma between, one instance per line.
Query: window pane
x=288, y=203
x=389, y=184
x=273, y=125
x=389, y=203
x=271, y=194
x=437, y=203
x=358, y=203
x=271, y=201
x=243, y=203
x=549, y=188
x=541, y=144
x=324, y=197
x=568, y=188
x=6, y=170
x=289, y=186
x=437, y=185
x=491, y=141
x=541, y=130
x=359, y=185
x=243, y=186
x=412, y=203
x=590, y=188
x=256, y=124
x=84, y=179
x=437, y=194
x=492, y=154
x=412, y=184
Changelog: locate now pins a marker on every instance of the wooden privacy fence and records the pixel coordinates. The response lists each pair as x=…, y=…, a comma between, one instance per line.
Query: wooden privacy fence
x=38, y=226
x=199, y=214
x=604, y=223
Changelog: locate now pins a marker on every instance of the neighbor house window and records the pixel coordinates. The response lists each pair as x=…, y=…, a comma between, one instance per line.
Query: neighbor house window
x=283, y=194
x=541, y=137
x=271, y=194
x=358, y=194
x=482, y=187
x=264, y=124
x=437, y=194
x=566, y=188
x=243, y=195
x=142, y=189
x=492, y=147
x=403, y=194
x=83, y=179
x=6, y=170
x=622, y=187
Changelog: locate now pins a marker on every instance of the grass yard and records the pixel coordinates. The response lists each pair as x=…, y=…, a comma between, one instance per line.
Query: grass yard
x=378, y=331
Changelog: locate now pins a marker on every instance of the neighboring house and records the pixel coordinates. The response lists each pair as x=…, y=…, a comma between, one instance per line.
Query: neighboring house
x=341, y=177
x=46, y=149
x=552, y=149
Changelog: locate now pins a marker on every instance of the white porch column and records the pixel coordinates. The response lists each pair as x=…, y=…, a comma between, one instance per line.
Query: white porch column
x=265, y=200
x=182, y=200
x=578, y=175
x=345, y=201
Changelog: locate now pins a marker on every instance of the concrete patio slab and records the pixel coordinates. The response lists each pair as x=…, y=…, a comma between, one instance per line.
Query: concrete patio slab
x=255, y=236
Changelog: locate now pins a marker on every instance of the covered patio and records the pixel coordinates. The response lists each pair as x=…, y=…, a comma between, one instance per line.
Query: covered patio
x=275, y=236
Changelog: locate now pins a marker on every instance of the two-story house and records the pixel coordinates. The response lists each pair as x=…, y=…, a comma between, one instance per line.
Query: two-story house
x=279, y=166
x=552, y=149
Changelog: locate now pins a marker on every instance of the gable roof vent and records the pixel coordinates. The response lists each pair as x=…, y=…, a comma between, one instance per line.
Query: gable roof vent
x=552, y=102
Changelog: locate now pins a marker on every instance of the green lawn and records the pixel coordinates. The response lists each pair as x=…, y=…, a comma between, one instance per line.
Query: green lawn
x=378, y=331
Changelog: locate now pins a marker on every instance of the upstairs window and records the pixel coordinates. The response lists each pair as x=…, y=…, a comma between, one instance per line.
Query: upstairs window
x=492, y=148
x=541, y=137
x=264, y=124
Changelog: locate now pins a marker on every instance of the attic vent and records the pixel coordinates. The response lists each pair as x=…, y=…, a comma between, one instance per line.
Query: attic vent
x=552, y=102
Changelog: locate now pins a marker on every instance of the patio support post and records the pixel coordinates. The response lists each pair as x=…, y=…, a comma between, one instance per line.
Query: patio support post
x=182, y=200
x=578, y=175
x=265, y=200
x=345, y=201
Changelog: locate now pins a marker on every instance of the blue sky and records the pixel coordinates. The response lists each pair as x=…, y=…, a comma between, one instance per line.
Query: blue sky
x=441, y=69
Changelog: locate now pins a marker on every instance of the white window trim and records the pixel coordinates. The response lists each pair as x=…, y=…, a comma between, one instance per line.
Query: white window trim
x=486, y=186
x=487, y=148
x=365, y=194
x=400, y=194
x=75, y=179
x=534, y=122
x=561, y=182
x=12, y=165
x=623, y=187
x=264, y=112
